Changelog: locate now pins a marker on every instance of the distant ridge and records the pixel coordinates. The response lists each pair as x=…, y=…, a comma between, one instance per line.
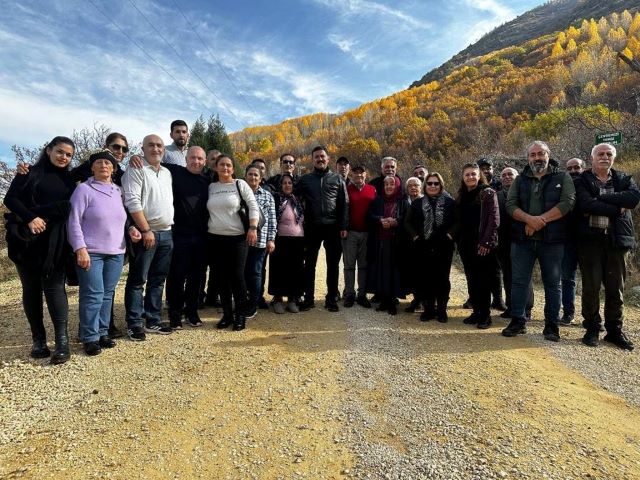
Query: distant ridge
x=548, y=18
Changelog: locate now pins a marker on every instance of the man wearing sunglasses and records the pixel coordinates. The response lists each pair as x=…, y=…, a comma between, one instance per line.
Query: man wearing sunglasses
x=538, y=201
x=574, y=167
x=287, y=165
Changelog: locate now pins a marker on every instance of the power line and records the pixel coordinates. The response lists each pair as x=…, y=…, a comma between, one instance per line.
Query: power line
x=215, y=59
x=186, y=64
x=148, y=55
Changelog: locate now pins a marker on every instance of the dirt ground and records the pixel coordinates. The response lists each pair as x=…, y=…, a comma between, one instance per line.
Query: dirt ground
x=274, y=401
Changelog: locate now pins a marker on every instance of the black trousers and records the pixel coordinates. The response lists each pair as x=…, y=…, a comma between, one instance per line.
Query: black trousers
x=477, y=268
x=314, y=237
x=34, y=284
x=601, y=263
x=434, y=285
x=183, y=281
x=504, y=259
x=228, y=256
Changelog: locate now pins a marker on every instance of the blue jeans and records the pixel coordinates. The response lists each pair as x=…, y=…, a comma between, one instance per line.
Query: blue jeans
x=148, y=267
x=569, y=267
x=253, y=273
x=523, y=257
x=96, y=288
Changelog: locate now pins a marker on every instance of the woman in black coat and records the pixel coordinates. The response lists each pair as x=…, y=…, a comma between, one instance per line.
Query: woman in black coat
x=37, y=242
x=386, y=244
x=428, y=222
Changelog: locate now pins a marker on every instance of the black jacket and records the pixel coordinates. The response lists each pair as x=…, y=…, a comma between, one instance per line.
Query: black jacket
x=589, y=202
x=325, y=199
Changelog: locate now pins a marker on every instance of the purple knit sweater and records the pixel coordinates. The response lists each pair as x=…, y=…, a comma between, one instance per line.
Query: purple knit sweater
x=97, y=218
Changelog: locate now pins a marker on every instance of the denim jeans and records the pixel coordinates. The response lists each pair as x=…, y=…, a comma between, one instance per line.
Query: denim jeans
x=569, y=267
x=523, y=257
x=148, y=267
x=253, y=273
x=96, y=288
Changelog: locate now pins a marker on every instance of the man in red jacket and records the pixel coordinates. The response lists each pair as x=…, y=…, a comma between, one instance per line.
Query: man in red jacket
x=354, y=246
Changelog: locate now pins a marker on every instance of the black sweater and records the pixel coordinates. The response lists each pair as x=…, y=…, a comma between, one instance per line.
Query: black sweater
x=190, y=195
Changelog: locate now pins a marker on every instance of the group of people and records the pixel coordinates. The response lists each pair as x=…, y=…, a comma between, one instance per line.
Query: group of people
x=176, y=211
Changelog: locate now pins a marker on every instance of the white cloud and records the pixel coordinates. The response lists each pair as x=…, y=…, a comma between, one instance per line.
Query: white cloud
x=376, y=9
x=347, y=45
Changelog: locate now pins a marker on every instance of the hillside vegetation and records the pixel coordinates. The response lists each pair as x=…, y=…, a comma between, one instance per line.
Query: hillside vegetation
x=563, y=87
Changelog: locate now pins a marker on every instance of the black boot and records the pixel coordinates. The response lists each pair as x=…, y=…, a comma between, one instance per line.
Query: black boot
x=515, y=327
x=239, y=322
x=61, y=354
x=39, y=348
x=227, y=317
x=551, y=332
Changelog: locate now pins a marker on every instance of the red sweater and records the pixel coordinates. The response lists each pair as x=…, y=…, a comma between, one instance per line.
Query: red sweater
x=359, y=201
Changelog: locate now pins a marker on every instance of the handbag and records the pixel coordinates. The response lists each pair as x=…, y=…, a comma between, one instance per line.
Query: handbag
x=243, y=211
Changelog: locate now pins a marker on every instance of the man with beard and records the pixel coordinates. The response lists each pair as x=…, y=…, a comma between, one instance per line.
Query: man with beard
x=326, y=218
x=177, y=152
x=486, y=167
x=605, y=199
x=508, y=175
x=574, y=167
x=538, y=201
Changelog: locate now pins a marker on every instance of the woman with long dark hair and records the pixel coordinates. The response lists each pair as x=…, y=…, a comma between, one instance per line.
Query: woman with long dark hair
x=476, y=230
x=227, y=240
x=286, y=266
x=428, y=223
x=37, y=242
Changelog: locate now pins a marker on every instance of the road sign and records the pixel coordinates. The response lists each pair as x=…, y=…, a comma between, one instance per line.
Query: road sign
x=612, y=138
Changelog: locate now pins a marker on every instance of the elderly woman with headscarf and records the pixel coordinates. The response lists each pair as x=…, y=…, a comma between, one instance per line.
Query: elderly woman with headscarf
x=386, y=243
x=287, y=260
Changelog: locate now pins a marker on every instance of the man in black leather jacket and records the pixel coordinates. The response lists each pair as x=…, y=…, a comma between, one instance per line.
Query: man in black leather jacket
x=326, y=217
x=605, y=199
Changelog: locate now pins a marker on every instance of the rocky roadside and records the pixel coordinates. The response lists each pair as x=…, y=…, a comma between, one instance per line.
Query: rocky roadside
x=358, y=394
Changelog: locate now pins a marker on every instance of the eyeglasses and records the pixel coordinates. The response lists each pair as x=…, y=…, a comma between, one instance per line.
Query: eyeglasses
x=288, y=162
x=117, y=147
x=572, y=168
x=433, y=184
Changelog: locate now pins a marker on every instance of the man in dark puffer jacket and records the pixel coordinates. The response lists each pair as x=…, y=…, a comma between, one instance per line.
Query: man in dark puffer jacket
x=605, y=197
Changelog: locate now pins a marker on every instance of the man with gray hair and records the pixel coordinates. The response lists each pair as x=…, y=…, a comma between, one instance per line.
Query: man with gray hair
x=388, y=166
x=538, y=201
x=605, y=199
x=574, y=167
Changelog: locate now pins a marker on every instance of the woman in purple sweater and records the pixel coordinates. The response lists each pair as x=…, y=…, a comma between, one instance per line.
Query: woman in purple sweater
x=95, y=230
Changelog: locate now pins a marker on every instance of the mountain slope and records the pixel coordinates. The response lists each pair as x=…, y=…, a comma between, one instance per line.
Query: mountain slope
x=548, y=18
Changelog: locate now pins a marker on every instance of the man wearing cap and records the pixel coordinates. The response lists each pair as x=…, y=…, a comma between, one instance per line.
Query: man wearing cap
x=388, y=166
x=574, y=167
x=176, y=153
x=495, y=276
x=326, y=219
x=605, y=199
x=354, y=246
x=148, y=196
x=343, y=168
x=538, y=201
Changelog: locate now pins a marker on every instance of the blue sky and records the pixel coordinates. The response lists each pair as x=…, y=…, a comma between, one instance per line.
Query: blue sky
x=135, y=65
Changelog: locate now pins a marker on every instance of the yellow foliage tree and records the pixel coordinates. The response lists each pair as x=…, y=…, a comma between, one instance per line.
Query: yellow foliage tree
x=572, y=33
x=634, y=27
x=571, y=46
x=562, y=38
x=557, y=50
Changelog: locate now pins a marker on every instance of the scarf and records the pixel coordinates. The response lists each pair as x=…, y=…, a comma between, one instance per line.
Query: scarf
x=283, y=201
x=433, y=217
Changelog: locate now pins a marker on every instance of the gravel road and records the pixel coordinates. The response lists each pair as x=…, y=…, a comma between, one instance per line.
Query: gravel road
x=357, y=394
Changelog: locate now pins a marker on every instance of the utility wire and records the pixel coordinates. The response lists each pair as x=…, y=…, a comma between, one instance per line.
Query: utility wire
x=186, y=64
x=137, y=44
x=215, y=59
